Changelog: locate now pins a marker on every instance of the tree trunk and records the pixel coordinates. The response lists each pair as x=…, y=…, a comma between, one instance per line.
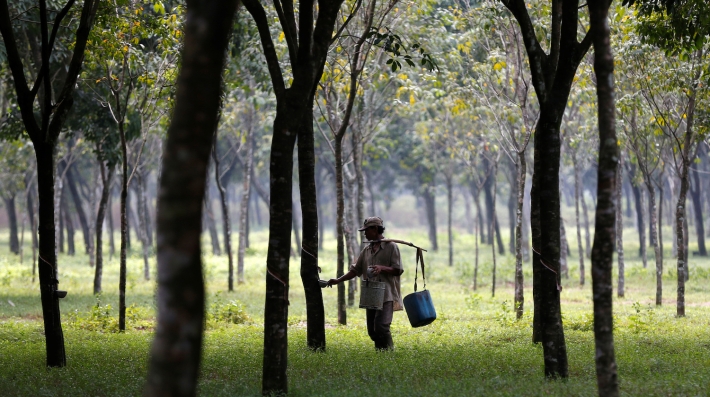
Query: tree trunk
x=340, y=227
x=106, y=178
x=71, y=249
x=467, y=206
x=493, y=226
x=475, y=260
x=479, y=213
x=585, y=213
x=143, y=222
x=564, y=250
x=210, y=223
x=76, y=198
x=48, y=277
x=695, y=192
x=244, y=205
x=430, y=205
x=450, y=202
x=226, y=223
x=580, y=249
x=109, y=209
x=512, y=201
x=124, y=229
x=520, y=190
x=604, y=227
x=175, y=353
x=12, y=218
x=639, y=218
x=620, y=227
x=315, y=311
x=654, y=237
x=33, y=224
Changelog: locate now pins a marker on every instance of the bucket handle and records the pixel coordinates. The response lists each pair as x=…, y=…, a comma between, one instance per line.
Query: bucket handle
x=420, y=257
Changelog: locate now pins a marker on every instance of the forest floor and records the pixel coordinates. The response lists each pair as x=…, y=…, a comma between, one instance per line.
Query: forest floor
x=475, y=347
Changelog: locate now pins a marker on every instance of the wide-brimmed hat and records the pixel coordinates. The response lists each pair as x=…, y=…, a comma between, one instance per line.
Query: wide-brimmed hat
x=371, y=221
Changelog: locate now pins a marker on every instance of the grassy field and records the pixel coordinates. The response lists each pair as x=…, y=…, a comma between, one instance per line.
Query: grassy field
x=476, y=347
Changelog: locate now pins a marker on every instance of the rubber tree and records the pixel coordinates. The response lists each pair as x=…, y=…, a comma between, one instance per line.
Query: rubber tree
x=175, y=353
x=44, y=107
x=552, y=77
x=605, y=218
x=308, y=39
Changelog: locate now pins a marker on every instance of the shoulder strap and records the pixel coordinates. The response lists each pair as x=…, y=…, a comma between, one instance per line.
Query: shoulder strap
x=420, y=258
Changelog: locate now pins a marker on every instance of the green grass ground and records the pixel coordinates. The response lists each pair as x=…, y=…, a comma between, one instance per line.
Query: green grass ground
x=476, y=347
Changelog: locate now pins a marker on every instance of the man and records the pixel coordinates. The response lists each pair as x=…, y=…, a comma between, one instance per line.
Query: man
x=382, y=262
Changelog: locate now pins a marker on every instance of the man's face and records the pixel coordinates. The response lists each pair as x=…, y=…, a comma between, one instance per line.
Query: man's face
x=371, y=233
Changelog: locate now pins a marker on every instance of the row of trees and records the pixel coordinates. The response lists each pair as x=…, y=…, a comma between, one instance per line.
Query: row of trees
x=484, y=87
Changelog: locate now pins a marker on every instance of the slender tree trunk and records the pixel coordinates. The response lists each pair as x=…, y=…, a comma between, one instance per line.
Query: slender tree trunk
x=76, y=198
x=493, y=226
x=585, y=213
x=564, y=250
x=519, y=295
x=244, y=205
x=48, y=277
x=12, y=218
x=124, y=230
x=315, y=311
x=579, y=228
x=475, y=258
x=143, y=222
x=479, y=212
x=467, y=206
x=604, y=227
x=210, y=222
x=340, y=224
x=226, y=223
x=109, y=208
x=106, y=177
x=698, y=212
x=430, y=205
x=175, y=353
x=351, y=244
x=639, y=220
x=450, y=202
x=654, y=237
x=620, y=228
x=33, y=224
x=71, y=248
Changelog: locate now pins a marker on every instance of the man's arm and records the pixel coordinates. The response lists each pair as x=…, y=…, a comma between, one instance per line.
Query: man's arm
x=345, y=277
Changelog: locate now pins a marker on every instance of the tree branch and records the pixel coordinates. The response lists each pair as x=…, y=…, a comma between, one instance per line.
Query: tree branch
x=259, y=15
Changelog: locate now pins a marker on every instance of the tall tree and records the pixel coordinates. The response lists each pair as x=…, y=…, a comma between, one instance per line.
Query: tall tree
x=308, y=39
x=604, y=226
x=176, y=350
x=43, y=128
x=552, y=77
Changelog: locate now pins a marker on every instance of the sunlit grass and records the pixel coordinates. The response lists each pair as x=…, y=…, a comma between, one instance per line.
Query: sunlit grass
x=476, y=347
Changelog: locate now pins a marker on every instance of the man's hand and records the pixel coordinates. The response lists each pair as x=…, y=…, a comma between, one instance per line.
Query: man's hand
x=332, y=282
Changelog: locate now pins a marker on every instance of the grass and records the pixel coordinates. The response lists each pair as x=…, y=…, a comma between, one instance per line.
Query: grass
x=476, y=347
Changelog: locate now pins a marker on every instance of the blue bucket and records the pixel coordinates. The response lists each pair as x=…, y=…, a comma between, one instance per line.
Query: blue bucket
x=420, y=308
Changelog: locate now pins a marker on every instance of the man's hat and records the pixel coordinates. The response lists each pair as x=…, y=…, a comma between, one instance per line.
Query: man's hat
x=371, y=221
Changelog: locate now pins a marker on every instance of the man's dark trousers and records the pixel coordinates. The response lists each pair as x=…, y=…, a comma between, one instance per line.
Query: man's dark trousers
x=378, y=326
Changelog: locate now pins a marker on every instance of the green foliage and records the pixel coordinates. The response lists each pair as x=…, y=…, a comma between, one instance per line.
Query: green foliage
x=232, y=312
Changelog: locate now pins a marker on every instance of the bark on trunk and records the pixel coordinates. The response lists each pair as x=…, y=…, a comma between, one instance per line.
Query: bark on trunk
x=244, y=205
x=620, y=228
x=176, y=351
x=450, y=202
x=604, y=228
x=210, y=222
x=494, y=226
x=71, y=250
x=430, y=206
x=76, y=198
x=580, y=249
x=106, y=178
x=143, y=222
x=340, y=228
x=640, y=226
x=109, y=209
x=124, y=230
x=12, y=219
x=695, y=192
x=48, y=277
x=226, y=223
x=519, y=295
x=654, y=238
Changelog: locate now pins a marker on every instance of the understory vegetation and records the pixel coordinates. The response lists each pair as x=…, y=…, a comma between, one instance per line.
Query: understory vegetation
x=475, y=347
